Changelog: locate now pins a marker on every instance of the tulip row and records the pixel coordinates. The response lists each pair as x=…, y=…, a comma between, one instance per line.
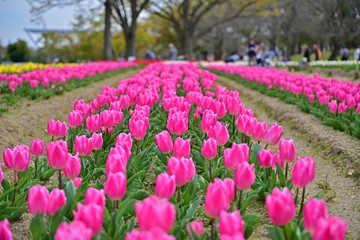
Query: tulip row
x=50, y=77
x=28, y=67
x=136, y=167
x=335, y=102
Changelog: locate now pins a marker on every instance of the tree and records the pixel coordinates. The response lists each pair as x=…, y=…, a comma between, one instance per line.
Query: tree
x=39, y=7
x=19, y=51
x=127, y=14
x=185, y=16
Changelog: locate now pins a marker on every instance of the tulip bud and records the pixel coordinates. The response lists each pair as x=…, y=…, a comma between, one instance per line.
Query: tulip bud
x=18, y=158
x=303, y=172
x=165, y=185
x=181, y=148
x=72, y=168
x=75, y=118
x=314, y=210
x=331, y=228
x=287, y=150
x=73, y=230
x=77, y=182
x=57, y=154
x=93, y=123
x=197, y=227
x=57, y=199
x=265, y=158
x=280, y=206
x=220, y=133
x=5, y=231
x=218, y=197
x=231, y=223
x=235, y=155
x=37, y=147
x=164, y=142
x=209, y=149
x=91, y=215
x=96, y=196
x=38, y=198
x=207, y=121
x=97, y=141
x=183, y=169
x=273, y=134
x=244, y=175
x=115, y=186
x=83, y=145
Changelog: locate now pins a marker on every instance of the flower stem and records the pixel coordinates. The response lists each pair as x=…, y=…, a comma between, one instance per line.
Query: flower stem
x=296, y=196
x=233, y=125
x=15, y=185
x=36, y=167
x=302, y=203
x=239, y=200
x=212, y=221
x=286, y=236
x=210, y=170
x=178, y=195
x=137, y=147
x=60, y=181
x=286, y=170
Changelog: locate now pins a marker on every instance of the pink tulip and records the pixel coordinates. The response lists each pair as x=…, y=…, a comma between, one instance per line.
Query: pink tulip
x=56, y=128
x=155, y=212
x=115, y=186
x=331, y=228
x=93, y=123
x=260, y=131
x=220, y=133
x=153, y=234
x=83, y=145
x=265, y=158
x=209, y=149
x=231, y=223
x=196, y=226
x=91, y=215
x=57, y=154
x=177, y=123
x=18, y=158
x=277, y=160
x=38, y=198
x=138, y=128
x=218, y=197
x=244, y=175
x=233, y=106
x=118, y=116
x=280, y=206
x=273, y=134
x=116, y=163
x=236, y=236
x=333, y=106
x=235, y=155
x=181, y=148
x=107, y=119
x=57, y=199
x=72, y=168
x=303, y=172
x=183, y=169
x=342, y=107
x=73, y=230
x=97, y=141
x=5, y=231
x=208, y=120
x=165, y=185
x=241, y=122
x=37, y=147
x=95, y=196
x=77, y=182
x=314, y=210
x=164, y=142
x=287, y=150
x=250, y=126
x=75, y=119
x=124, y=140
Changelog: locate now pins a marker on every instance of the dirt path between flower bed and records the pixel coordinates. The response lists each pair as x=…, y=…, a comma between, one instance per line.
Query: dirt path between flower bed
x=337, y=155
x=29, y=121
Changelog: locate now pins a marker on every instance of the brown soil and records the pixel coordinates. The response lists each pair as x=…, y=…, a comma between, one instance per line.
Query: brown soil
x=337, y=156
x=29, y=120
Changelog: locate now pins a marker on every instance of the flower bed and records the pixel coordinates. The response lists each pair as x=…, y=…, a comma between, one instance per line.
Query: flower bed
x=335, y=102
x=162, y=156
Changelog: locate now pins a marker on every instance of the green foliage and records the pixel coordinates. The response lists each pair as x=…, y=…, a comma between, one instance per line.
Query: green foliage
x=18, y=51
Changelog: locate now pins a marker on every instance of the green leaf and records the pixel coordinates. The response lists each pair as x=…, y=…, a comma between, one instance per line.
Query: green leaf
x=37, y=227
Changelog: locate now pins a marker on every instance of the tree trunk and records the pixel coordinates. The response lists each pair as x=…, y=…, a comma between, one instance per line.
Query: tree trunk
x=188, y=47
x=130, y=42
x=335, y=49
x=107, y=32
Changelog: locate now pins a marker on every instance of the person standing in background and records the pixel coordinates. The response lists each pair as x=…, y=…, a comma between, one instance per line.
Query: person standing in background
x=317, y=52
x=172, y=53
x=344, y=53
x=251, y=51
x=357, y=54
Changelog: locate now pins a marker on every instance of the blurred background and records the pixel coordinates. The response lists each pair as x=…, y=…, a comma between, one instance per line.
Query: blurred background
x=49, y=31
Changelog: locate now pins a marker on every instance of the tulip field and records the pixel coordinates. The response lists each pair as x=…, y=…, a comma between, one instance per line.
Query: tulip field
x=168, y=154
x=335, y=102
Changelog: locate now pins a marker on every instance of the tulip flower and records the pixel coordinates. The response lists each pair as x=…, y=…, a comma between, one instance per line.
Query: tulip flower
x=73, y=166
x=287, y=152
x=57, y=153
x=75, y=119
x=183, y=169
x=265, y=158
x=303, y=172
x=244, y=177
x=56, y=128
x=38, y=198
x=97, y=141
x=115, y=186
x=209, y=149
x=18, y=158
x=332, y=228
x=91, y=215
x=280, y=206
x=342, y=107
x=56, y=200
x=208, y=120
x=333, y=106
x=218, y=197
x=153, y=234
x=177, y=123
x=231, y=224
x=165, y=185
x=95, y=196
x=181, y=148
x=197, y=227
x=220, y=133
x=273, y=134
x=155, y=212
x=138, y=128
x=235, y=155
x=5, y=231
x=164, y=142
x=83, y=145
x=37, y=147
x=314, y=210
x=93, y=123
x=73, y=230
x=116, y=163
x=260, y=131
x=77, y=182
